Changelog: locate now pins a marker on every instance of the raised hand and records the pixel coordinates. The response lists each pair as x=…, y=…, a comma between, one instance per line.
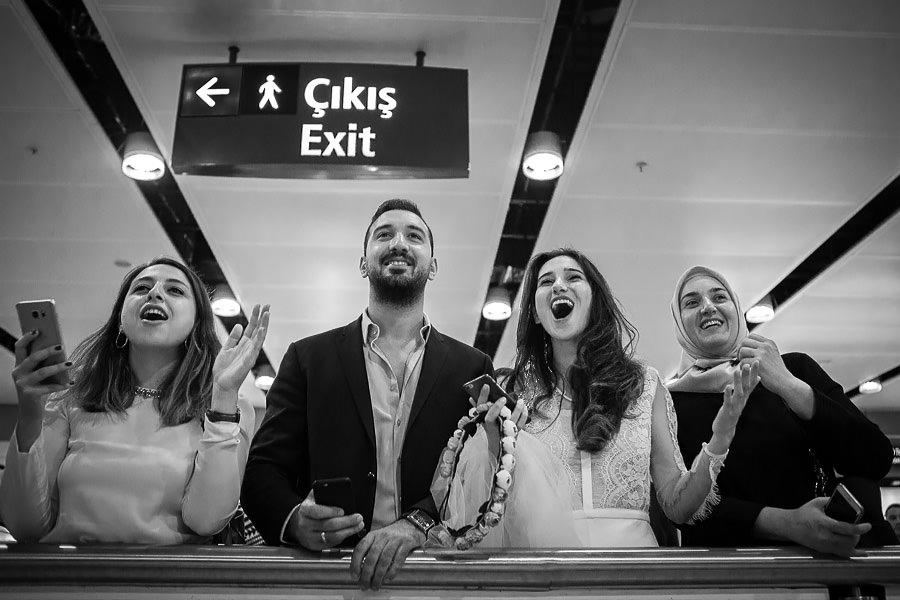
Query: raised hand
x=772, y=371
x=734, y=400
x=239, y=352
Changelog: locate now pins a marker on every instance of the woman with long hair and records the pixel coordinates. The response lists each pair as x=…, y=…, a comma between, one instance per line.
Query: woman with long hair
x=605, y=423
x=146, y=442
x=797, y=430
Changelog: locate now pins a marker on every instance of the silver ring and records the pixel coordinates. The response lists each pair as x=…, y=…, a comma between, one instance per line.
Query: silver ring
x=322, y=535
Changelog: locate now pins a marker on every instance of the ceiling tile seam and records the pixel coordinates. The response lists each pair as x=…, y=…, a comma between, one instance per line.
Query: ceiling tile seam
x=317, y=194
x=772, y=31
x=37, y=110
x=331, y=14
x=66, y=184
x=792, y=201
x=672, y=128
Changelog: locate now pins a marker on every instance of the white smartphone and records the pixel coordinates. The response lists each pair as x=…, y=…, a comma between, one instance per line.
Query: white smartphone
x=40, y=315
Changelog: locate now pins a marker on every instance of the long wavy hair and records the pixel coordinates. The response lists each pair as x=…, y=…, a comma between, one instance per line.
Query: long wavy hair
x=605, y=378
x=102, y=374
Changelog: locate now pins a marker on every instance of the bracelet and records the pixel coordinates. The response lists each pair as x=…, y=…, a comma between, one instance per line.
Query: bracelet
x=215, y=416
x=716, y=461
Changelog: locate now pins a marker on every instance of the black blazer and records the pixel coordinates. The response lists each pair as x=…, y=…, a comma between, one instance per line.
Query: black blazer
x=319, y=425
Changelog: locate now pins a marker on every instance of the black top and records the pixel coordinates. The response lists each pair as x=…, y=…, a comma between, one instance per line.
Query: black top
x=770, y=463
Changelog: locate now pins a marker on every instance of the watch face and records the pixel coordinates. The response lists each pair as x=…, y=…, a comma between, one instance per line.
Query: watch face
x=421, y=519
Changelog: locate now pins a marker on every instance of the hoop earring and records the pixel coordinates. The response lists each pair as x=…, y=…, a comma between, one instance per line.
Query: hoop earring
x=122, y=335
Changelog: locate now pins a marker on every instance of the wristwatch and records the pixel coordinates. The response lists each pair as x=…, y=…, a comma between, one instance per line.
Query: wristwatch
x=218, y=417
x=421, y=519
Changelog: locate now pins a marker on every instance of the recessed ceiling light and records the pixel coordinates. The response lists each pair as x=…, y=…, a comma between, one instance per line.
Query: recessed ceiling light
x=264, y=382
x=497, y=306
x=873, y=386
x=226, y=307
x=542, y=159
x=762, y=311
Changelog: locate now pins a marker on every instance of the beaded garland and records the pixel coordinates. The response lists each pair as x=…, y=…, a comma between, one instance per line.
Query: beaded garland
x=492, y=510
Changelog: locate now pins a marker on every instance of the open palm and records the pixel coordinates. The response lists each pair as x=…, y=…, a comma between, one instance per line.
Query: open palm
x=239, y=352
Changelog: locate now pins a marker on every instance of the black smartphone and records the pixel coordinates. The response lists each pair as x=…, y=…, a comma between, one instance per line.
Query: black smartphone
x=473, y=388
x=41, y=315
x=842, y=506
x=335, y=492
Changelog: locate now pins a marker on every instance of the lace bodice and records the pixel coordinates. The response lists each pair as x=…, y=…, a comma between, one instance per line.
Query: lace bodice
x=620, y=474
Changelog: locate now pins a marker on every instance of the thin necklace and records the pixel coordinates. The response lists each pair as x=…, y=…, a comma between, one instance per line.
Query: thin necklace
x=147, y=392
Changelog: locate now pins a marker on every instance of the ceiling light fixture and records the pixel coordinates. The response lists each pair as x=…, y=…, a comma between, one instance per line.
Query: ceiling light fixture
x=497, y=307
x=264, y=382
x=873, y=386
x=542, y=159
x=141, y=158
x=762, y=311
x=224, y=303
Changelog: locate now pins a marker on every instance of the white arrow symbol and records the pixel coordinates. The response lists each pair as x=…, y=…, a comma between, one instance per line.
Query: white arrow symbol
x=207, y=90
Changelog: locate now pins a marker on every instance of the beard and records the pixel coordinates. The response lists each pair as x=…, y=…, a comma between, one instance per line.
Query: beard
x=398, y=290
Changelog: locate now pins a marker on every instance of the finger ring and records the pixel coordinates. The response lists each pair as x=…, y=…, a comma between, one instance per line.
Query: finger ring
x=323, y=538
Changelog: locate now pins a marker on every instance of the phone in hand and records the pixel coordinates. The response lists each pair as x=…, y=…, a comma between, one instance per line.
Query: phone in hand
x=335, y=492
x=843, y=506
x=41, y=315
x=473, y=388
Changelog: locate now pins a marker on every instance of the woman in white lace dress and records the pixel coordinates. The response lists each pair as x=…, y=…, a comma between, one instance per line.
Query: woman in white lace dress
x=604, y=424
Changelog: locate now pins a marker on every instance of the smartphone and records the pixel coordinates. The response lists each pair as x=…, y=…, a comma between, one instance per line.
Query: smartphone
x=41, y=315
x=842, y=506
x=473, y=388
x=335, y=492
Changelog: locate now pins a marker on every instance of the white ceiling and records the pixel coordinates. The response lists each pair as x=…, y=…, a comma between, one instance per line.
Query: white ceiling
x=765, y=125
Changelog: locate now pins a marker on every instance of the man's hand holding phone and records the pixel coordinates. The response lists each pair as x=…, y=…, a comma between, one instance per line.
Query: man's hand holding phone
x=318, y=526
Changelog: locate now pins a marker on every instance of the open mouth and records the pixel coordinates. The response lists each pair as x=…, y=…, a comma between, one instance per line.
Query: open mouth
x=153, y=313
x=561, y=308
x=711, y=323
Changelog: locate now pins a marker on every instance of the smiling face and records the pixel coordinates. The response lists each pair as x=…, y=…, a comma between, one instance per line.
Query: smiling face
x=398, y=259
x=709, y=315
x=159, y=309
x=562, y=299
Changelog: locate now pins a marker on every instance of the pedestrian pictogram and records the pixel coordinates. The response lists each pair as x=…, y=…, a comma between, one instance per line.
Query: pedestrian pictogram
x=268, y=90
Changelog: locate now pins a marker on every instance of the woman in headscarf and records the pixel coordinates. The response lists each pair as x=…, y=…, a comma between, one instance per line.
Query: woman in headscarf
x=797, y=428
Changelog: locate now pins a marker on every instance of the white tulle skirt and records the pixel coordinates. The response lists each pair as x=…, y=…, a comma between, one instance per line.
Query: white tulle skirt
x=539, y=512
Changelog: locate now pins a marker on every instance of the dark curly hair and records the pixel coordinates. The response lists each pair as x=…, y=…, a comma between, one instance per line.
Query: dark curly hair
x=103, y=378
x=605, y=378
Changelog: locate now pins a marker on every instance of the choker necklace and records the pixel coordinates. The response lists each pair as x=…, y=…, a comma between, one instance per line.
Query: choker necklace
x=147, y=392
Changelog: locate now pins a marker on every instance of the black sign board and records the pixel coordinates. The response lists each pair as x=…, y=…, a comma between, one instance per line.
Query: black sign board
x=322, y=120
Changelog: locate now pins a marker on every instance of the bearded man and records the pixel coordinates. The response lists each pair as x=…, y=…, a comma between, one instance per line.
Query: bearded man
x=374, y=401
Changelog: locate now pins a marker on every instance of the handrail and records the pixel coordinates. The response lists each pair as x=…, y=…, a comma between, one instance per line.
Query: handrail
x=37, y=565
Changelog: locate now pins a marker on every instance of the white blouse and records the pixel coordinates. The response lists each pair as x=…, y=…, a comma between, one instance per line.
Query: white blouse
x=644, y=448
x=110, y=478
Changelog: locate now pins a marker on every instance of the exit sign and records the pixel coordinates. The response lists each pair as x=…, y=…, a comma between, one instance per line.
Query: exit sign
x=322, y=120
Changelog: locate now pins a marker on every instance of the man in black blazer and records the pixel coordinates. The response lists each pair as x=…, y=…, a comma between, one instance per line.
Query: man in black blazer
x=374, y=401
